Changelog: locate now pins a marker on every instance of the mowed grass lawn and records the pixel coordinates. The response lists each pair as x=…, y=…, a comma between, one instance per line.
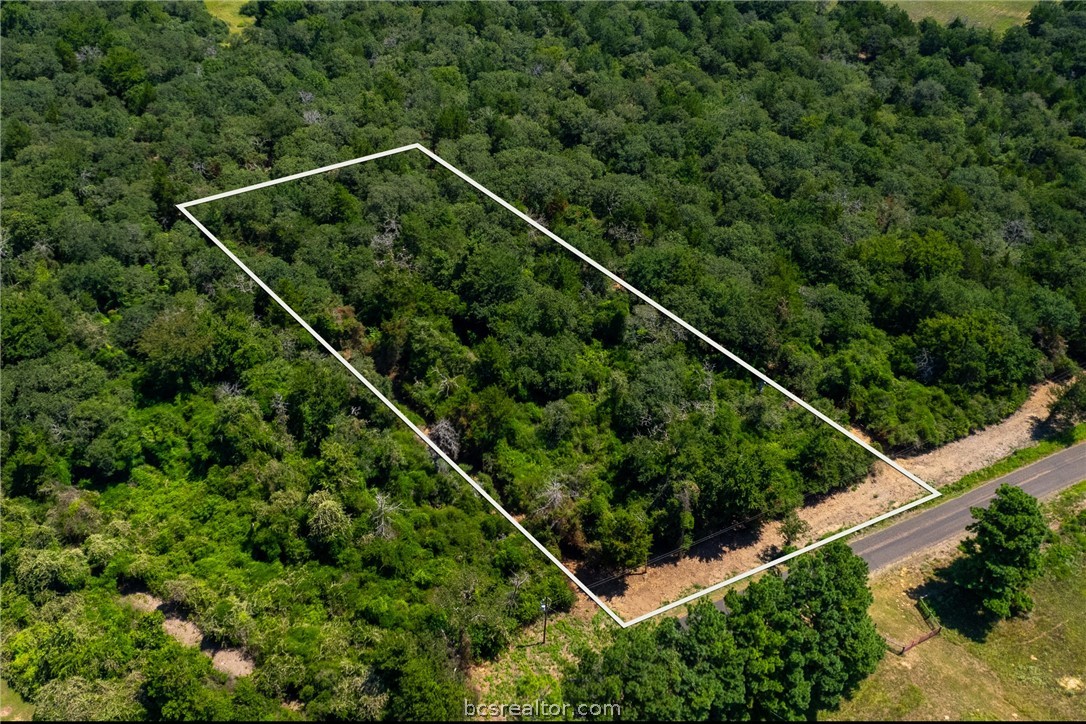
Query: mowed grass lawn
x=995, y=15
x=1031, y=668
x=229, y=11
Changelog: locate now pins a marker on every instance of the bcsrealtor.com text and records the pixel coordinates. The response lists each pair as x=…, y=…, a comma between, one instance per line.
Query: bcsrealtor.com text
x=539, y=709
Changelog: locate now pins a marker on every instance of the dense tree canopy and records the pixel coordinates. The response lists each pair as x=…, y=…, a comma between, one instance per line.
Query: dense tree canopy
x=885, y=216
x=787, y=648
x=579, y=403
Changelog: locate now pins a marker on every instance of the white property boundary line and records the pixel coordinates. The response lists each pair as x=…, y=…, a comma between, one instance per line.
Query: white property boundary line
x=933, y=493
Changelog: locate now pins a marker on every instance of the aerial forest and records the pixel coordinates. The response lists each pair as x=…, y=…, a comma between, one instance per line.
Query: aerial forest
x=885, y=217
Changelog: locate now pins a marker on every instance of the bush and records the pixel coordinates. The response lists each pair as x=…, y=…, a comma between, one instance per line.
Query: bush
x=77, y=699
x=59, y=570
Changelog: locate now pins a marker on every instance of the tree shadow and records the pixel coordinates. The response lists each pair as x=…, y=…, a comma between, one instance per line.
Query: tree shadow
x=958, y=608
x=608, y=582
x=738, y=539
x=1053, y=428
x=1048, y=429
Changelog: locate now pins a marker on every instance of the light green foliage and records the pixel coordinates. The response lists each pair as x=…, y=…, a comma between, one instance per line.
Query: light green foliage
x=32, y=325
x=327, y=521
x=60, y=570
x=229, y=11
x=101, y=549
x=358, y=696
x=76, y=699
x=999, y=15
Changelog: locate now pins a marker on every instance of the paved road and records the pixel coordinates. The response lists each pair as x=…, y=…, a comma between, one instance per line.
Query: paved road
x=947, y=521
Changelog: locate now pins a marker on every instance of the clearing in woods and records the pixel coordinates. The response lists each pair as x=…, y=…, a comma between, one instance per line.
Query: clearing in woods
x=229, y=11
x=999, y=16
x=12, y=706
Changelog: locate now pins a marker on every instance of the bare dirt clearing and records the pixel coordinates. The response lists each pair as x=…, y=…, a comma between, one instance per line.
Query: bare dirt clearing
x=232, y=661
x=144, y=602
x=186, y=633
x=984, y=447
x=721, y=558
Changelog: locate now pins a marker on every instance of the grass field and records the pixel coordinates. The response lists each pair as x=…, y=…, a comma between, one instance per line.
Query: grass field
x=229, y=11
x=995, y=15
x=12, y=706
x=1030, y=668
x=532, y=671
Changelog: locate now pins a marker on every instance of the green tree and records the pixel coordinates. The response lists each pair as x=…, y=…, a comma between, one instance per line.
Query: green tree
x=172, y=687
x=829, y=590
x=1070, y=407
x=793, y=527
x=123, y=73
x=1004, y=553
x=828, y=461
x=425, y=690
x=979, y=350
x=31, y=325
x=625, y=537
x=772, y=641
x=713, y=686
x=179, y=346
x=636, y=672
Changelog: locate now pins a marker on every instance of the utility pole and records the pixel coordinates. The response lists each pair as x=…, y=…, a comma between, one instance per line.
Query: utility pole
x=545, y=605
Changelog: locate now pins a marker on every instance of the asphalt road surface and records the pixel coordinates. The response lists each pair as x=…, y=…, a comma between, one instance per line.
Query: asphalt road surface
x=947, y=521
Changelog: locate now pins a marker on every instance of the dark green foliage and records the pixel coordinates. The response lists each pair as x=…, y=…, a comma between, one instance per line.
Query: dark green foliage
x=173, y=688
x=32, y=326
x=977, y=351
x=625, y=538
x=887, y=218
x=829, y=590
x=666, y=672
x=787, y=649
x=1004, y=553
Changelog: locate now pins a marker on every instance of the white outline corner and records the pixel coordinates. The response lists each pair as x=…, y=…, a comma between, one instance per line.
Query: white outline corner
x=933, y=493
